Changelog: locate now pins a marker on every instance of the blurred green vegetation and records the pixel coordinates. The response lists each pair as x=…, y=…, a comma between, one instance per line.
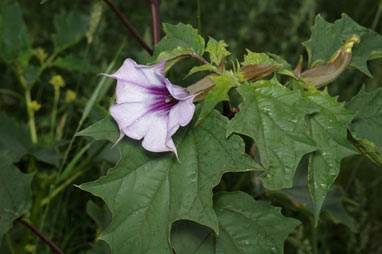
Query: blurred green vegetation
x=274, y=26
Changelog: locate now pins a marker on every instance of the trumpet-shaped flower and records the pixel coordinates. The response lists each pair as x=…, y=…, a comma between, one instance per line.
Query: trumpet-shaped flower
x=149, y=106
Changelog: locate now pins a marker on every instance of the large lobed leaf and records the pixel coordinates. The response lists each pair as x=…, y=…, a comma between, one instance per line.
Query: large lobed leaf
x=15, y=193
x=273, y=116
x=367, y=123
x=329, y=130
x=332, y=206
x=327, y=38
x=246, y=226
x=147, y=192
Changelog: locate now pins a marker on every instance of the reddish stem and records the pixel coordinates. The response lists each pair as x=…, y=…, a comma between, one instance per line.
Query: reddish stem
x=130, y=27
x=156, y=20
x=41, y=235
x=199, y=58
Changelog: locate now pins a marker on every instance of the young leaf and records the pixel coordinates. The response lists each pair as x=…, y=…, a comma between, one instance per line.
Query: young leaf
x=327, y=38
x=69, y=29
x=217, y=51
x=329, y=130
x=14, y=37
x=223, y=84
x=173, y=56
x=179, y=35
x=273, y=116
x=15, y=193
x=246, y=226
x=146, y=192
x=367, y=123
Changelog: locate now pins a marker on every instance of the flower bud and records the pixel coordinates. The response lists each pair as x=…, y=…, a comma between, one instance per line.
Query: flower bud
x=255, y=72
x=323, y=75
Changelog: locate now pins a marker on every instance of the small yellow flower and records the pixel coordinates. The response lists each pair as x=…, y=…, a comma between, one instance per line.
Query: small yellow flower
x=34, y=105
x=70, y=96
x=57, y=81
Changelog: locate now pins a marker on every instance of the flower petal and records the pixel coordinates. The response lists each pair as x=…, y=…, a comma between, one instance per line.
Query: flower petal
x=140, y=75
x=130, y=93
x=126, y=113
x=181, y=113
x=177, y=92
x=156, y=138
x=140, y=127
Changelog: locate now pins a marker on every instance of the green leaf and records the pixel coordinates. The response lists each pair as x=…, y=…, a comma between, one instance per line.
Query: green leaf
x=146, y=192
x=329, y=130
x=262, y=58
x=217, y=51
x=69, y=29
x=327, y=38
x=223, y=84
x=14, y=37
x=334, y=209
x=14, y=137
x=246, y=226
x=204, y=67
x=273, y=116
x=173, y=56
x=15, y=193
x=332, y=206
x=73, y=63
x=190, y=237
x=367, y=123
x=179, y=35
x=366, y=127
x=101, y=215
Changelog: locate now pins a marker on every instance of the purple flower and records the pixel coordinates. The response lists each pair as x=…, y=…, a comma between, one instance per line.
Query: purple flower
x=149, y=106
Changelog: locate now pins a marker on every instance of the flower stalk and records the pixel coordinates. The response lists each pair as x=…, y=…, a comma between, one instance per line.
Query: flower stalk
x=30, y=110
x=130, y=27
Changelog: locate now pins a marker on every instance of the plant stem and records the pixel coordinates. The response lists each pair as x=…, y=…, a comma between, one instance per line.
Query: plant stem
x=156, y=20
x=54, y=110
x=314, y=237
x=377, y=16
x=31, y=121
x=42, y=236
x=9, y=243
x=199, y=17
x=130, y=27
x=199, y=58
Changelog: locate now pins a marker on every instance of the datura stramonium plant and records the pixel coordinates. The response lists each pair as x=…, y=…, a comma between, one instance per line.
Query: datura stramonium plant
x=149, y=106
